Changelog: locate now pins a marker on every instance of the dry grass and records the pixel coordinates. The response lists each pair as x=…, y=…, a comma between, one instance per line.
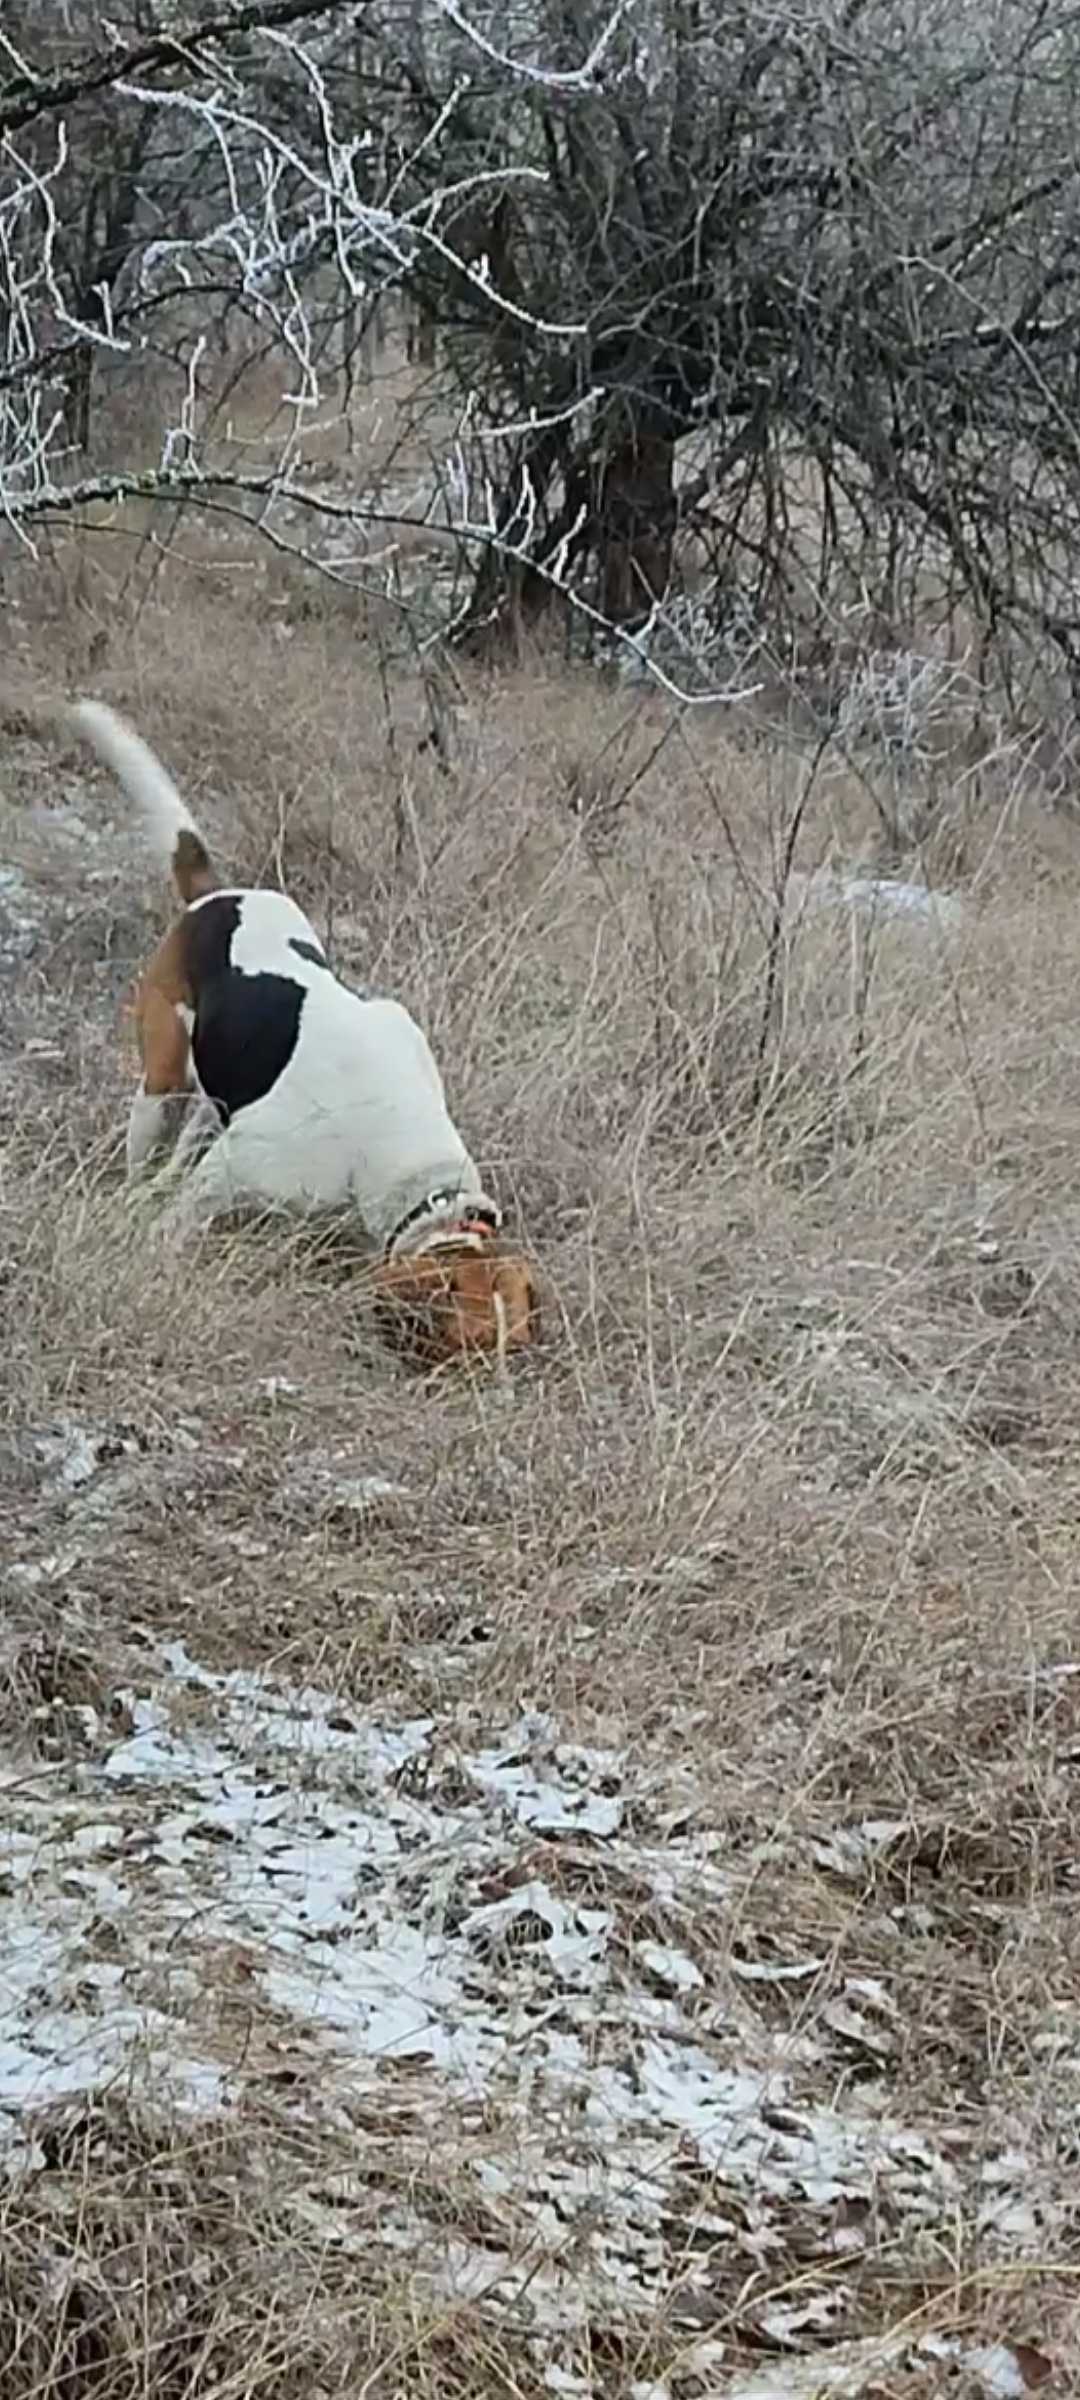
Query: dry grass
x=788, y=1499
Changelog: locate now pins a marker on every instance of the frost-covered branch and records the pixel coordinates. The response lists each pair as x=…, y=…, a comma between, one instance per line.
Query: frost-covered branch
x=551, y=79
x=610, y=237
x=283, y=206
x=270, y=498
x=28, y=96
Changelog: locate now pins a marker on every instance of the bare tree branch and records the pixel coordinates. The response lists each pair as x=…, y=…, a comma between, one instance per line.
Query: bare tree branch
x=26, y=98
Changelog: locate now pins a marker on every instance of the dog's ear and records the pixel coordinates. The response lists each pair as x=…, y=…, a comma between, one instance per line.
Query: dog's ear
x=456, y=1304
x=515, y=1285
x=493, y=1302
x=408, y=1293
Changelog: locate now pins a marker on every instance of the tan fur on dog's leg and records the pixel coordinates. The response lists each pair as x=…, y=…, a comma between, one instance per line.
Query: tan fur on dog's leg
x=163, y=991
x=164, y=1041
x=160, y=1106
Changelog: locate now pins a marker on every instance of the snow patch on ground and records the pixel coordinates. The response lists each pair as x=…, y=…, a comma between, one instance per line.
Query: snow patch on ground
x=874, y=896
x=514, y=1919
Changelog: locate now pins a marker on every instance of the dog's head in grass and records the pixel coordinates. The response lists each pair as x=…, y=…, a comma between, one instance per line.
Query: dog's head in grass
x=464, y=1299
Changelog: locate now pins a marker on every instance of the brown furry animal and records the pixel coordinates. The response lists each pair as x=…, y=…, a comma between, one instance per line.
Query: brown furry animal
x=462, y=1299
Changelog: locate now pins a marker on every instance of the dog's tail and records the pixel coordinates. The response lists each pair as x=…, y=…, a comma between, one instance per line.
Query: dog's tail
x=172, y=828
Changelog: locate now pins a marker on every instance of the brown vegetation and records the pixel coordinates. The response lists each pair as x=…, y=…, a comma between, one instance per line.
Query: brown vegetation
x=784, y=1507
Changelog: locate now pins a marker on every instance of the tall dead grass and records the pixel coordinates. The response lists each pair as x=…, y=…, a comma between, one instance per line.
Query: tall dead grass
x=790, y=1486
x=835, y=1249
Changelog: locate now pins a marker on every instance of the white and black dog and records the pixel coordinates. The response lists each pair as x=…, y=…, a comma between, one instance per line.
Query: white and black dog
x=299, y=1093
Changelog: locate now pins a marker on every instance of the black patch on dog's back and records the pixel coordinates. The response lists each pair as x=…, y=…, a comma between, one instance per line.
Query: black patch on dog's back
x=246, y=1026
x=246, y=1029
x=209, y=930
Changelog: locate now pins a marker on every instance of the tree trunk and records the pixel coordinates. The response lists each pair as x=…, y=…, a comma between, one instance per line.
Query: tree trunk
x=78, y=384
x=508, y=592
x=629, y=525
x=635, y=524
x=420, y=335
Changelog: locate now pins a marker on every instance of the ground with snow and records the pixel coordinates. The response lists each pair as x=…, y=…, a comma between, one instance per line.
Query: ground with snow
x=514, y=1945
x=563, y=1891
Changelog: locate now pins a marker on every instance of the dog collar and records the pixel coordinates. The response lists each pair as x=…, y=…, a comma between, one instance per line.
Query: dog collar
x=479, y=1219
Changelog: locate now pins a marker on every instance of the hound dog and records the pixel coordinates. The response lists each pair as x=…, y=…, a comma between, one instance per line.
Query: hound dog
x=295, y=1092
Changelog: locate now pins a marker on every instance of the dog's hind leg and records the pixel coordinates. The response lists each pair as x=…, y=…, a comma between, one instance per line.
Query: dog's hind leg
x=211, y=1190
x=197, y=1127
x=167, y=1087
x=154, y=1125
